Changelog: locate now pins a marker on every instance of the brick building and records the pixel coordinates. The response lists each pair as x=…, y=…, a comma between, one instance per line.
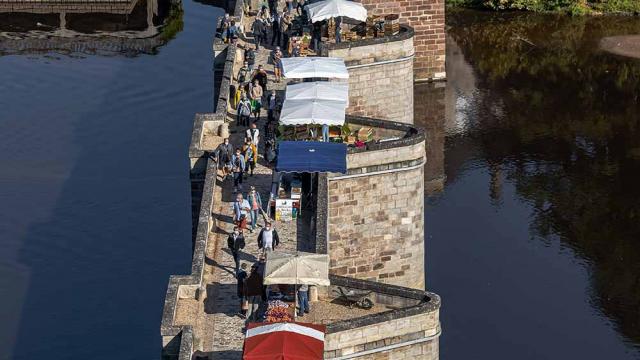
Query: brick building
x=427, y=19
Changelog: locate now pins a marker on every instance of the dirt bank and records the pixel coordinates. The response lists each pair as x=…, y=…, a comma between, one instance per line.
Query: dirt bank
x=626, y=45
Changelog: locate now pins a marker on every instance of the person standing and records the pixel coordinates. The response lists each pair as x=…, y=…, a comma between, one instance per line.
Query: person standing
x=300, y=7
x=275, y=28
x=243, y=73
x=250, y=58
x=223, y=154
x=235, y=243
x=254, y=134
x=237, y=163
x=225, y=23
x=262, y=77
x=272, y=104
x=250, y=152
x=255, y=201
x=241, y=209
x=255, y=92
x=273, y=6
x=285, y=29
x=268, y=238
x=244, y=111
x=276, y=58
x=241, y=275
x=303, y=299
x=325, y=132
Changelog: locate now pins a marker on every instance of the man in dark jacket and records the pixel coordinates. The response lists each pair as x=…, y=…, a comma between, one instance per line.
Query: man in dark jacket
x=268, y=239
x=241, y=275
x=222, y=155
x=262, y=77
x=235, y=243
x=258, y=28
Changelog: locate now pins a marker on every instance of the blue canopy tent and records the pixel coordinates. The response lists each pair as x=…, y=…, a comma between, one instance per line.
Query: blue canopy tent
x=311, y=156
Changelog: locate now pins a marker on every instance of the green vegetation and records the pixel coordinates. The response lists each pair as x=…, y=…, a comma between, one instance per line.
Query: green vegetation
x=174, y=23
x=573, y=7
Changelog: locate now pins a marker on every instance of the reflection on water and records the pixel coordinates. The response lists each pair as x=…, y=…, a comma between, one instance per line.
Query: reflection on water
x=542, y=166
x=94, y=189
x=99, y=27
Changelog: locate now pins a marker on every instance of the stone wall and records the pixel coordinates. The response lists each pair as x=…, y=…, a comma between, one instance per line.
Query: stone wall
x=375, y=225
x=427, y=19
x=380, y=75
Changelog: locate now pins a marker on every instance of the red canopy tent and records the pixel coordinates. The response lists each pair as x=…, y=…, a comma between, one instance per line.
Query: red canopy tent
x=284, y=341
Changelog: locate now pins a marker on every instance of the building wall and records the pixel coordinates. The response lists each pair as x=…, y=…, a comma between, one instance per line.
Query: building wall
x=420, y=333
x=380, y=78
x=376, y=221
x=427, y=18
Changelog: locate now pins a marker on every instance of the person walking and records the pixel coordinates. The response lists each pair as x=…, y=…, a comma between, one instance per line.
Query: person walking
x=303, y=300
x=235, y=243
x=222, y=156
x=268, y=238
x=255, y=201
x=250, y=152
x=258, y=28
x=244, y=111
x=241, y=209
x=255, y=92
x=237, y=163
x=241, y=276
x=254, y=134
x=254, y=292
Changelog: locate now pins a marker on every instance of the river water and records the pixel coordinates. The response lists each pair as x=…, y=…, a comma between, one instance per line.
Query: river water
x=534, y=243
x=94, y=190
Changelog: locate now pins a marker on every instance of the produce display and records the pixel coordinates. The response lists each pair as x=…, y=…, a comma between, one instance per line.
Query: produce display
x=278, y=311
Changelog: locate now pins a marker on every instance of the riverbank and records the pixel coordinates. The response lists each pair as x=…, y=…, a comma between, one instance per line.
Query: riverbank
x=572, y=7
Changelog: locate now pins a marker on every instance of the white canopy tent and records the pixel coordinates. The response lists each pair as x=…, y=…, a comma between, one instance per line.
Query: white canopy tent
x=314, y=67
x=321, y=90
x=318, y=112
x=298, y=268
x=327, y=9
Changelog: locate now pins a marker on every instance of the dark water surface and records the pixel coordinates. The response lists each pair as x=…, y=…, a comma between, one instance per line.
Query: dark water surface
x=94, y=191
x=534, y=244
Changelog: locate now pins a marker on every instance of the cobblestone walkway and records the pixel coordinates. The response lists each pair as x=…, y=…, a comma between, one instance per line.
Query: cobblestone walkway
x=222, y=304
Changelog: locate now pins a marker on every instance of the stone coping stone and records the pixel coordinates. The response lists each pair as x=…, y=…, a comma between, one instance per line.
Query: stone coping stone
x=413, y=135
x=406, y=32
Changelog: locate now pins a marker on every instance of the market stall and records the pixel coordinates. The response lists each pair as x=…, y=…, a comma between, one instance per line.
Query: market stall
x=328, y=9
x=285, y=271
x=311, y=156
x=319, y=90
x=284, y=341
x=314, y=67
x=313, y=111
